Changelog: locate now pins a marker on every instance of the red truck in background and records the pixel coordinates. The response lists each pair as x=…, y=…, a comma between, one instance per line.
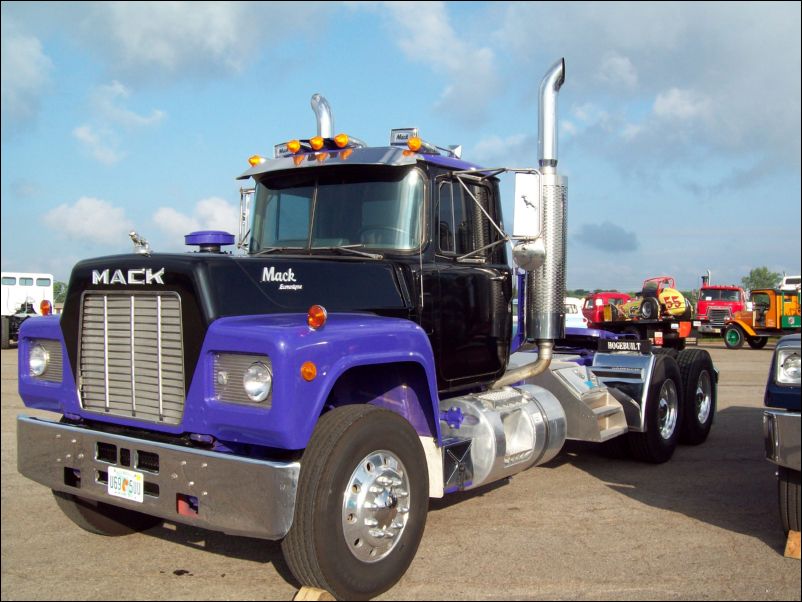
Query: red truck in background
x=717, y=303
x=594, y=303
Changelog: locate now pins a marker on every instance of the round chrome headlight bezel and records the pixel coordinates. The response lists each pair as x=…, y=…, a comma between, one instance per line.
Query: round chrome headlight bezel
x=38, y=359
x=258, y=382
x=788, y=366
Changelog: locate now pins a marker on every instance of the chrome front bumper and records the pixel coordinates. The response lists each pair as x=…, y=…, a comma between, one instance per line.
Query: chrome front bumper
x=232, y=494
x=782, y=436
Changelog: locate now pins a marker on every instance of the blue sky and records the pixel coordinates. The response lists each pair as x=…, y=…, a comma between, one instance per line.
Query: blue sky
x=679, y=122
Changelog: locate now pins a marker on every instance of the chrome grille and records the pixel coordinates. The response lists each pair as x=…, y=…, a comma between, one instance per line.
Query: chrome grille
x=718, y=316
x=131, y=359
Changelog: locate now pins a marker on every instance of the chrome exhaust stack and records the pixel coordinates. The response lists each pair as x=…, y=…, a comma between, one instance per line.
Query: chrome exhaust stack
x=325, y=120
x=543, y=256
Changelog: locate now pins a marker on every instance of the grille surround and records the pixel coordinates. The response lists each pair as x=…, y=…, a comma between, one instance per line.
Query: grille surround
x=718, y=316
x=131, y=355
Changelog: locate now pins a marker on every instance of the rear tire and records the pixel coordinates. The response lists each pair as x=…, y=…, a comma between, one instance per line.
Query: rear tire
x=649, y=308
x=663, y=414
x=788, y=485
x=363, y=495
x=733, y=336
x=757, y=342
x=103, y=519
x=698, y=393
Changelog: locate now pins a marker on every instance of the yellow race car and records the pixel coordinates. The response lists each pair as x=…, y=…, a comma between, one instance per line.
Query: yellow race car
x=659, y=299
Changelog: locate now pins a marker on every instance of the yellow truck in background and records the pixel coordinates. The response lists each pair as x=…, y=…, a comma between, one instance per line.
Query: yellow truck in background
x=773, y=313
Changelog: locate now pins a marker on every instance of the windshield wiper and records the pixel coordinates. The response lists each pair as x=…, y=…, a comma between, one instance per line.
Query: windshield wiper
x=350, y=249
x=269, y=250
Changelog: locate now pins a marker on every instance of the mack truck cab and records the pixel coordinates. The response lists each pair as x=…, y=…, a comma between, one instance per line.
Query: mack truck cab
x=356, y=359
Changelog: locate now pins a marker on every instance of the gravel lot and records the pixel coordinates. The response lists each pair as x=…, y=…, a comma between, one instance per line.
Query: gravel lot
x=703, y=526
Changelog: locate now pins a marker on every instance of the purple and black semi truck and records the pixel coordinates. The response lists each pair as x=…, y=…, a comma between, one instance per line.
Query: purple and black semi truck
x=353, y=360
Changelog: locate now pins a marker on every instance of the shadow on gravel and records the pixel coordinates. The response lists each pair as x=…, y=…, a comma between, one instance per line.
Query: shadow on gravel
x=725, y=482
x=244, y=548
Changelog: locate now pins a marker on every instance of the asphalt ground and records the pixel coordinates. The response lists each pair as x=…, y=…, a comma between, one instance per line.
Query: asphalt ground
x=704, y=526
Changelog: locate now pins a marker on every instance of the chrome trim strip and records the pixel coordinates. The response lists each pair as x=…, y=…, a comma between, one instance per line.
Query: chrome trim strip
x=133, y=357
x=106, y=346
x=159, y=353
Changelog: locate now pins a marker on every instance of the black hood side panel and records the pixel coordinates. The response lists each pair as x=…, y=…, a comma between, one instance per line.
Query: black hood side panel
x=213, y=286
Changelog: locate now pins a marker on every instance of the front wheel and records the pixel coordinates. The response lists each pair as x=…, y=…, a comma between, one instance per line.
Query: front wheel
x=757, y=342
x=663, y=414
x=699, y=395
x=103, y=519
x=362, y=500
x=733, y=336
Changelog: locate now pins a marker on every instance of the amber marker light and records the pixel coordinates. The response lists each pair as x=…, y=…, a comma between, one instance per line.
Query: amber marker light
x=255, y=160
x=341, y=140
x=308, y=371
x=316, y=316
x=316, y=143
x=414, y=143
x=294, y=146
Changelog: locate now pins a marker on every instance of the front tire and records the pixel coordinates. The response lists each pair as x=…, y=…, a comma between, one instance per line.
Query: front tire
x=103, y=519
x=698, y=393
x=733, y=336
x=361, y=503
x=663, y=414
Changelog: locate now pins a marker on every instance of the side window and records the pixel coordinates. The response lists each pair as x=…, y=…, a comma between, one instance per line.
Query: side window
x=462, y=225
x=9, y=280
x=452, y=221
x=26, y=281
x=43, y=282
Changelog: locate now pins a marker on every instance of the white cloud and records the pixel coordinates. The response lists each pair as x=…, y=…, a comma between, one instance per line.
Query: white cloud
x=166, y=41
x=425, y=34
x=212, y=213
x=100, y=137
x=618, y=70
x=106, y=100
x=25, y=73
x=726, y=78
x=682, y=104
x=90, y=219
x=101, y=144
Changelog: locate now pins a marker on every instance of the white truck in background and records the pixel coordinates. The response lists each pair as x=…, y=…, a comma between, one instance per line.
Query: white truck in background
x=24, y=294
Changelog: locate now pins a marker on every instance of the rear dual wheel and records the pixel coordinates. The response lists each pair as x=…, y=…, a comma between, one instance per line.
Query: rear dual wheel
x=698, y=393
x=663, y=414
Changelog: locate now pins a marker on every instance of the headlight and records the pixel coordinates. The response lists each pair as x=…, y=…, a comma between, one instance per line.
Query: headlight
x=257, y=380
x=788, y=366
x=38, y=360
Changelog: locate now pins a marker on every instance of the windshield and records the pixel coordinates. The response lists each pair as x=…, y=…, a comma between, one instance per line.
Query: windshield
x=380, y=209
x=717, y=294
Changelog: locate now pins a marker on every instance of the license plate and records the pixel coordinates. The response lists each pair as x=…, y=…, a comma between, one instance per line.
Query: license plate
x=127, y=484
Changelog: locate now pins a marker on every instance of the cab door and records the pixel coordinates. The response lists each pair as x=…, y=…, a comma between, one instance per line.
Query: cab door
x=474, y=317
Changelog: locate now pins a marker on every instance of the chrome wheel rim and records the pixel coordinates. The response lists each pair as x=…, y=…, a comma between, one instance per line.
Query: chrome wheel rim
x=375, y=507
x=704, y=397
x=667, y=409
